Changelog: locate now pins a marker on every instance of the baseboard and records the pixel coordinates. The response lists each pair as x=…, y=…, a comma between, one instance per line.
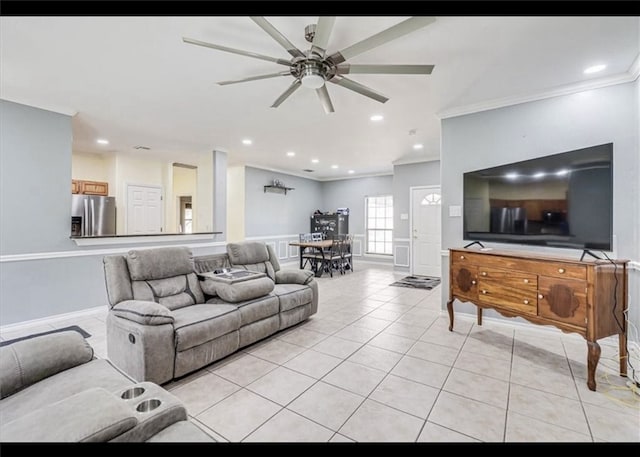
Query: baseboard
x=89, y=312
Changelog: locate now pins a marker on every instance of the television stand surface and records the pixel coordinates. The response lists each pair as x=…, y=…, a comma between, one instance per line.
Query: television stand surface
x=585, y=297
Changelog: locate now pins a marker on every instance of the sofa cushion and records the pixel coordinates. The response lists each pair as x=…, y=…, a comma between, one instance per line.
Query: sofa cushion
x=292, y=295
x=197, y=324
x=241, y=291
x=159, y=263
x=96, y=373
x=143, y=312
x=247, y=252
x=251, y=255
x=173, y=292
x=26, y=362
x=255, y=309
x=93, y=415
x=117, y=279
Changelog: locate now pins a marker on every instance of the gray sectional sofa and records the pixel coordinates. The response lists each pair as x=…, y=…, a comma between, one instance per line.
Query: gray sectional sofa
x=53, y=389
x=168, y=318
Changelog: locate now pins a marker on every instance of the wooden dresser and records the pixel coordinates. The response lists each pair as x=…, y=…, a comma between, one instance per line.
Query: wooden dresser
x=586, y=297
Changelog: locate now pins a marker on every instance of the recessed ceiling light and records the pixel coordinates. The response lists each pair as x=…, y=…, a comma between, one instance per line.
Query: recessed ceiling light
x=511, y=175
x=102, y=141
x=314, y=161
x=594, y=69
x=247, y=141
x=291, y=153
x=418, y=146
x=376, y=117
x=334, y=166
x=351, y=172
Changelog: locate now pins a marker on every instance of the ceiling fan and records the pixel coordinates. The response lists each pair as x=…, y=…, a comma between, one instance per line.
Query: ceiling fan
x=313, y=68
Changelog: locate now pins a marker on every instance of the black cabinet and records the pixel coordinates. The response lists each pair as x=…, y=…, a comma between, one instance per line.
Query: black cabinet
x=330, y=225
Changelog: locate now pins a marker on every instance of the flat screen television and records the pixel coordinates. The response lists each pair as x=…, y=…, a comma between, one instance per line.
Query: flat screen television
x=562, y=200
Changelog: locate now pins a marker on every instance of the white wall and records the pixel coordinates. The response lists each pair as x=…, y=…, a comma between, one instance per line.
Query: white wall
x=235, y=203
x=90, y=167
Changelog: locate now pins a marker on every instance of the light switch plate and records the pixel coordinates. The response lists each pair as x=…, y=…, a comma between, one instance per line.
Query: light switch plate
x=404, y=216
x=455, y=211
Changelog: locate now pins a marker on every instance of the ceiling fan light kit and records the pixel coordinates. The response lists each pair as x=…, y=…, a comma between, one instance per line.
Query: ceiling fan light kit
x=312, y=69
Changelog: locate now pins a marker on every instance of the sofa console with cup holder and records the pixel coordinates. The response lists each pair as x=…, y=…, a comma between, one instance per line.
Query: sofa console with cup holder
x=171, y=313
x=54, y=390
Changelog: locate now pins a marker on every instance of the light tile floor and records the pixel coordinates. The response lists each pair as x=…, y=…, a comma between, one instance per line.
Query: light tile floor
x=377, y=363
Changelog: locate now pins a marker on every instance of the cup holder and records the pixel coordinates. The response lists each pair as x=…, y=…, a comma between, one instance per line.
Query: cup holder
x=132, y=393
x=148, y=405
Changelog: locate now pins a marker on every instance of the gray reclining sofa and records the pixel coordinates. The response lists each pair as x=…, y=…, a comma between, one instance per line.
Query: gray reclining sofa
x=53, y=389
x=166, y=321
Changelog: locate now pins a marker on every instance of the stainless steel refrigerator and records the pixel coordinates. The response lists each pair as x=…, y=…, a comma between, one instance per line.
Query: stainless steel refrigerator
x=93, y=215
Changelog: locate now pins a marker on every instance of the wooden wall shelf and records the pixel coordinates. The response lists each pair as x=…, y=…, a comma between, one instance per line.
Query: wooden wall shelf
x=286, y=189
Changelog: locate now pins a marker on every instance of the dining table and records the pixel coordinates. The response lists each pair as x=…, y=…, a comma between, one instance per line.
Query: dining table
x=319, y=246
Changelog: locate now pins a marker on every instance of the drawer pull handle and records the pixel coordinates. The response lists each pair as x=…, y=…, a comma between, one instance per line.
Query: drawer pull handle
x=484, y=292
x=461, y=257
x=540, y=296
x=560, y=270
x=484, y=273
x=526, y=302
x=526, y=281
x=473, y=282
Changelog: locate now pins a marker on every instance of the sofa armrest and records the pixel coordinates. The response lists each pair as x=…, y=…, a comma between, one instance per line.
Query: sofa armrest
x=26, y=362
x=143, y=312
x=93, y=415
x=291, y=276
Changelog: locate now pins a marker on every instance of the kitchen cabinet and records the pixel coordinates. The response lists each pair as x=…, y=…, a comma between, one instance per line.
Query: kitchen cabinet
x=79, y=186
x=584, y=297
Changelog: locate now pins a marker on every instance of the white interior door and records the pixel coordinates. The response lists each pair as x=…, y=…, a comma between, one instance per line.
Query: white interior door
x=144, y=209
x=425, y=231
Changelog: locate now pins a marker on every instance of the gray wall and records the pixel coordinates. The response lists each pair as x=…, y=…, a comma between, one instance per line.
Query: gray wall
x=404, y=177
x=42, y=271
x=273, y=213
x=541, y=128
x=350, y=193
x=35, y=171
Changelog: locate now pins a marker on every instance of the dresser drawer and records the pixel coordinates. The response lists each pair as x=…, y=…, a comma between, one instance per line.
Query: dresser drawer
x=510, y=278
x=466, y=258
x=497, y=294
x=562, y=270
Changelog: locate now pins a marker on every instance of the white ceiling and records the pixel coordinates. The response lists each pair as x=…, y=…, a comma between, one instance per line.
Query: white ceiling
x=133, y=81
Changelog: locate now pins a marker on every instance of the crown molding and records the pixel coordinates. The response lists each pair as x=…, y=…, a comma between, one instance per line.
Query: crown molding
x=370, y=175
x=415, y=160
x=568, y=89
x=53, y=108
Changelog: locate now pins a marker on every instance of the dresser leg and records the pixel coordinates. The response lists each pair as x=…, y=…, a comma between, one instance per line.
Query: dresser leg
x=450, y=309
x=479, y=316
x=593, y=356
x=622, y=339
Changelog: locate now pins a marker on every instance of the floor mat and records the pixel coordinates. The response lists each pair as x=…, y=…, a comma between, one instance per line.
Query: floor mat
x=73, y=327
x=418, y=282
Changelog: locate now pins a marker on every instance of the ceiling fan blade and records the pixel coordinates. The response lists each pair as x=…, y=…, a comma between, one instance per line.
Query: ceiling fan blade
x=359, y=88
x=323, y=95
x=290, y=90
x=384, y=69
x=236, y=51
x=393, y=32
x=322, y=34
x=254, y=78
x=276, y=35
